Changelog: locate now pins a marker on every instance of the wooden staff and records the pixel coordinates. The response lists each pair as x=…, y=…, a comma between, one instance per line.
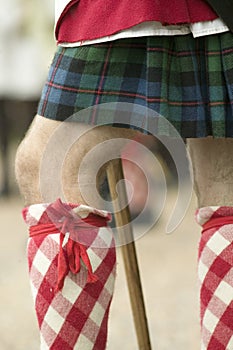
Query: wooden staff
x=122, y=218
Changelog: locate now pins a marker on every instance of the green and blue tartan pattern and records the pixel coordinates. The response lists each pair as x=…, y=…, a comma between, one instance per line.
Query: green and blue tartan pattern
x=188, y=81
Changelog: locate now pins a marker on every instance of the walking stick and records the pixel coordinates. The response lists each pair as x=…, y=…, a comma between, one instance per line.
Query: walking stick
x=122, y=218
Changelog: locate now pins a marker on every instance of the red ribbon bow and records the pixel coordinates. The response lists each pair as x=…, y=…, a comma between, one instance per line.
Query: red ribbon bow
x=65, y=221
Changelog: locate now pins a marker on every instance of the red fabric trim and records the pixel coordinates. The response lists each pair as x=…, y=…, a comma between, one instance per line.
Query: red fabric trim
x=88, y=19
x=216, y=223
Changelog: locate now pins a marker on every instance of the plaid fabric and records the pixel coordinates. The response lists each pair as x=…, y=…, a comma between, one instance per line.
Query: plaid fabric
x=76, y=316
x=216, y=277
x=188, y=81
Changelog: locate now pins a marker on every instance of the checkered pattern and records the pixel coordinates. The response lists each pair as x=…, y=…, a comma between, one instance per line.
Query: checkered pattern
x=216, y=277
x=188, y=81
x=76, y=316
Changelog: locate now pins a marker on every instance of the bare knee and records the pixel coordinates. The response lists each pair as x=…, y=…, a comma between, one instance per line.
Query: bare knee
x=27, y=163
x=50, y=158
x=212, y=161
x=28, y=159
x=91, y=154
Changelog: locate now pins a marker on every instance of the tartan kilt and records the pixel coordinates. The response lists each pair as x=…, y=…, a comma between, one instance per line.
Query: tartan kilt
x=188, y=81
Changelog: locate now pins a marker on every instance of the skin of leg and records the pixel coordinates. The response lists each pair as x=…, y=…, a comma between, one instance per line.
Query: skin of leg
x=46, y=138
x=31, y=151
x=212, y=162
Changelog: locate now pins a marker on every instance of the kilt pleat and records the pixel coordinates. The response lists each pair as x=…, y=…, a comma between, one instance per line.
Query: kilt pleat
x=187, y=81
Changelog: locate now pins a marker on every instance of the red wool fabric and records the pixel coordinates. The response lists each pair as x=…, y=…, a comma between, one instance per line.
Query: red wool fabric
x=88, y=19
x=72, y=274
x=215, y=269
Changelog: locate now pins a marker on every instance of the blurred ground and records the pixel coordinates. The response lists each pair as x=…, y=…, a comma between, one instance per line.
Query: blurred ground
x=168, y=271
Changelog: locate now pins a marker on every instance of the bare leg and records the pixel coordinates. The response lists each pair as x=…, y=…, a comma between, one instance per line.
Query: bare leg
x=31, y=151
x=212, y=161
x=72, y=266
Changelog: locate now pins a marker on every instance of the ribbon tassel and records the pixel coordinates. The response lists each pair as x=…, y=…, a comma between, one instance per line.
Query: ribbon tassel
x=62, y=267
x=75, y=251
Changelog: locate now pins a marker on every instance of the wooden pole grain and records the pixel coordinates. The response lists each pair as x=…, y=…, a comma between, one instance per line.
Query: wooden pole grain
x=126, y=239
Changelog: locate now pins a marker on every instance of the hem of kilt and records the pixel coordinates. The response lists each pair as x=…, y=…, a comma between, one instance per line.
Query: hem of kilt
x=185, y=133
x=196, y=101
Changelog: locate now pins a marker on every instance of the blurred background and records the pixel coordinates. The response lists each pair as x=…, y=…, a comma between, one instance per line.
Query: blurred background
x=27, y=45
x=167, y=263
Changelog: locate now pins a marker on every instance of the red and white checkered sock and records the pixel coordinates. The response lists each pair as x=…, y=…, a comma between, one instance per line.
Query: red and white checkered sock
x=72, y=261
x=215, y=270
